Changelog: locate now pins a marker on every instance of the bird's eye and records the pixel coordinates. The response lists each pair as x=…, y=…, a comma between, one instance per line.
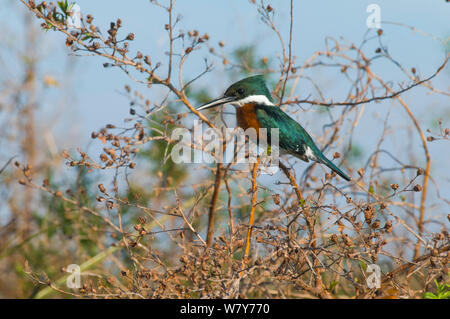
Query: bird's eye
x=240, y=91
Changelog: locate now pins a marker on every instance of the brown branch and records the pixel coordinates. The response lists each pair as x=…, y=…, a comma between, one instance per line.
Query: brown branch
x=169, y=72
x=293, y=183
x=408, y=265
x=289, y=62
x=252, y=211
x=230, y=213
x=377, y=98
x=180, y=210
x=390, y=275
x=212, y=207
x=420, y=224
x=124, y=61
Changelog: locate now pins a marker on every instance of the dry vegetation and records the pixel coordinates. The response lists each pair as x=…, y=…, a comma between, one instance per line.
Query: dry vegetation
x=142, y=227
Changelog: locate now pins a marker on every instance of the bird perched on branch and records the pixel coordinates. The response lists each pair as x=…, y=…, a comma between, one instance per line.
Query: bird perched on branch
x=255, y=109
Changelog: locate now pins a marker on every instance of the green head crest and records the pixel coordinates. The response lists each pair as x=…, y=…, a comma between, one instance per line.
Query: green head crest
x=251, y=89
x=254, y=85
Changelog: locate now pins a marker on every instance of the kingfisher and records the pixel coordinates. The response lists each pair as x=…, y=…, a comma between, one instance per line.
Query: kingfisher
x=255, y=109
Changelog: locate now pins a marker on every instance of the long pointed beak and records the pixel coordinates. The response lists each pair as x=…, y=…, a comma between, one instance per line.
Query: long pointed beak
x=220, y=101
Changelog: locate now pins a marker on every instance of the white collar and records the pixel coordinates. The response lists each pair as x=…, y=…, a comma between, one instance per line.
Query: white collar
x=259, y=99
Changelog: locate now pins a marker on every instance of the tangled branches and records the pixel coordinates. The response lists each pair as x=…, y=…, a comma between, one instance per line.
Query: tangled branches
x=313, y=236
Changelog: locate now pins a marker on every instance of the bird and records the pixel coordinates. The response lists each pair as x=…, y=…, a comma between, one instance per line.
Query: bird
x=255, y=109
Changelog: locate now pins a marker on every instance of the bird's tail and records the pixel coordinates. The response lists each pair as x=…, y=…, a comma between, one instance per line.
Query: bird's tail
x=333, y=167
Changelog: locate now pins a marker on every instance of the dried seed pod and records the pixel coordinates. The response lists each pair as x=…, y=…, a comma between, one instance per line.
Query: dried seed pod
x=360, y=172
x=334, y=238
x=276, y=199
x=394, y=186
x=388, y=226
x=347, y=240
x=368, y=214
x=64, y=154
x=434, y=252
x=109, y=204
x=142, y=220
x=375, y=224
x=69, y=42
x=101, y=188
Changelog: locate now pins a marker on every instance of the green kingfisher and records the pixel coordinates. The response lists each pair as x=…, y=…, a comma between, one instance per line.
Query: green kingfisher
x=255, y=109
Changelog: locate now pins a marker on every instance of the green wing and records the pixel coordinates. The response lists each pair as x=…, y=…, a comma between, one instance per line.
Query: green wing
x=292, y=136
